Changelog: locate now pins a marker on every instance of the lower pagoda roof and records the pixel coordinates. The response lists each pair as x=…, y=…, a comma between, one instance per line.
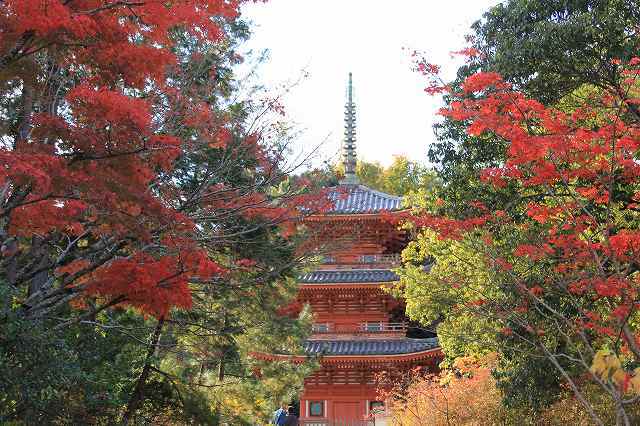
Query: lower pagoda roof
x=347, y=352
x=369, y=347
x=349, y=276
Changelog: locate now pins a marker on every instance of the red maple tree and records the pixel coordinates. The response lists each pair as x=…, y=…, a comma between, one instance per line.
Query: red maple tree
x=576, y=180
x=89, y=200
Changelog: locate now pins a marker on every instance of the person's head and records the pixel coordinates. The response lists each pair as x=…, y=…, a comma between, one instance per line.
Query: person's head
x=284, y=406
x=290, y=410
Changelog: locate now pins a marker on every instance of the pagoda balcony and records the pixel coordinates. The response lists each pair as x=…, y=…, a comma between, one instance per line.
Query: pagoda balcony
x=365, y=261
x=382, y=327
x=361, y=328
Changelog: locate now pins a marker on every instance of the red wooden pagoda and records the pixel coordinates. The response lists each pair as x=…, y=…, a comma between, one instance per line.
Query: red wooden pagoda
x=359, y=330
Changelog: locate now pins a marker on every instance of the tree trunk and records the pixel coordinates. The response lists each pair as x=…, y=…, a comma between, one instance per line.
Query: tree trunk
x=24, y=120
x=39, y=250
x=221, y=371
x=10, y=250
x=220, y=380
x=19, y=48
x=138, y=393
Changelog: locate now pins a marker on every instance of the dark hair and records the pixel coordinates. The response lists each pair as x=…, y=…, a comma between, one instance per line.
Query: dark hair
x=290, y=409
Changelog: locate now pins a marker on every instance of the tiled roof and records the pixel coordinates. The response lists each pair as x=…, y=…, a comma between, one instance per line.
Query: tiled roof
x=360, y=199
x=349, y=276
x=370, y=346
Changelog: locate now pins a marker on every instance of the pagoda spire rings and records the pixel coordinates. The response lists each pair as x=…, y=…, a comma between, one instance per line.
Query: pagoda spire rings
x=349, y=141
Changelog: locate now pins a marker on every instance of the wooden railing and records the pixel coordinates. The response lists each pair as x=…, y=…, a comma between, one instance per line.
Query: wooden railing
x=394, y=258
x=364, y=327
x=322, y=328
x=370, y=327
x=367, y=259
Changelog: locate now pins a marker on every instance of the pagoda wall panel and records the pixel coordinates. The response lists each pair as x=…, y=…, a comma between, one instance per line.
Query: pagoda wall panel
x=336, y=398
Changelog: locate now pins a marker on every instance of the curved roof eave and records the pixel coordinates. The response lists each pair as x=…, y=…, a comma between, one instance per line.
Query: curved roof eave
x=332, y=359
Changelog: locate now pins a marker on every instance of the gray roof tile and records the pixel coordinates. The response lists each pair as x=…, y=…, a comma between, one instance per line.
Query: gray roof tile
x=349, y=276
x=370, y=346
x=351, y=199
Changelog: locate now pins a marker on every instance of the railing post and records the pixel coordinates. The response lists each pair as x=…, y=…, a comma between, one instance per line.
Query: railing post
x=364, y=259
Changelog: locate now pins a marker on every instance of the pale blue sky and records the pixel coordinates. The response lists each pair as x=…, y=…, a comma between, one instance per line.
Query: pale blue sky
x=329, y=38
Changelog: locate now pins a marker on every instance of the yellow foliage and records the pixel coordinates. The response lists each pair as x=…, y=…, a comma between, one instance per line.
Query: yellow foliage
x=608, y=367
x=467, y=394
x=618, y=376
x=605, y=364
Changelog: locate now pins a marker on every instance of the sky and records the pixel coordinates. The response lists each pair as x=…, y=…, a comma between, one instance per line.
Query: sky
x=373, y=39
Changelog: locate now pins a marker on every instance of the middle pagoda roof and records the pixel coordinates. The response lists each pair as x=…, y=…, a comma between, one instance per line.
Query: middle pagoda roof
x=349, y=276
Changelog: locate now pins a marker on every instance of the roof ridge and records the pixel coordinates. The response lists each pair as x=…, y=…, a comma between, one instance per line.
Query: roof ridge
x=383, y=194
x=368, y=189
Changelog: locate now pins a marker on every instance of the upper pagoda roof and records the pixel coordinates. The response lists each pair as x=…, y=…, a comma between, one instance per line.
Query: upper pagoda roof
x=355, y=199
x=349, y=196
x=369, y=347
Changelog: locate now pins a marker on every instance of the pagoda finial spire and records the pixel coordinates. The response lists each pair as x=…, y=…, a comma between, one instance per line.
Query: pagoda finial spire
x=349, y=142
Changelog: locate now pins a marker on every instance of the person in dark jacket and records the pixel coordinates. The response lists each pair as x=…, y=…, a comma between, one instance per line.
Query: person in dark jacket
x=280, y=415
x=291, y=419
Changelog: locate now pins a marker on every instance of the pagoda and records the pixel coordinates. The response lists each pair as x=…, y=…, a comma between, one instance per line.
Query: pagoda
x=359, y=329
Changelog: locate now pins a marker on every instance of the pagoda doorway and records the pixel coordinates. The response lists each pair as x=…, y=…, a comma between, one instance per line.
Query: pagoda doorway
x=347, y=411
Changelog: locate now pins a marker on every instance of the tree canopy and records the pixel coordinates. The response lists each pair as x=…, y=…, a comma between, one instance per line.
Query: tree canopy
x=145, y=231
x=535, y=153
x=401, y=177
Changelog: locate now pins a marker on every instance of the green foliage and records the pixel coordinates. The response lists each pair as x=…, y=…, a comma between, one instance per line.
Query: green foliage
x=528, y=383
x=437, y=294
x=78, y=375
x=212, y=356
x=472, y=304
x=401, y=178
x=549, y=49
x=404, y=176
